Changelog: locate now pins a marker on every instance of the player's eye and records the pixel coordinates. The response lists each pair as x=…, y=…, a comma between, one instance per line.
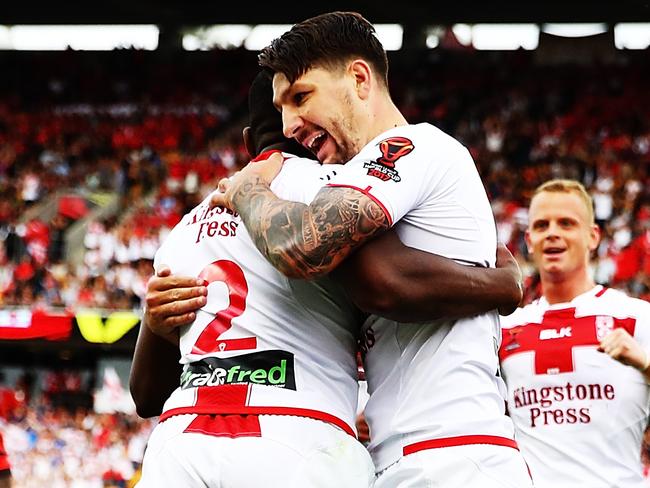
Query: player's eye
x=539, y=225
x=299, y=98
x=566, y=223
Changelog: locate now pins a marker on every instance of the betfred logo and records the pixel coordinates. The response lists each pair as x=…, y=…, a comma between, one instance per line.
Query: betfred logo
x=547, y=334
x=391, y=149
x=272, y=368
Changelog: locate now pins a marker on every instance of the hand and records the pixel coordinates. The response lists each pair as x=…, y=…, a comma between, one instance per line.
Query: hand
x=172, y=301
x=620, y=345
x=507, y=262
x=255, y=172
x=363, y=431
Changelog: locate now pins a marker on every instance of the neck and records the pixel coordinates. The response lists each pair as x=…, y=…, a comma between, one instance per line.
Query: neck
x=384, y=116
x=563, y=289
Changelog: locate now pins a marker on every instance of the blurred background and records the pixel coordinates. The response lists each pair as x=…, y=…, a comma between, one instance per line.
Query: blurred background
x=119, y=117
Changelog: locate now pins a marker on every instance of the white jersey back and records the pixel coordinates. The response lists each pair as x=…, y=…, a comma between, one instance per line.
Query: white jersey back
x=579, y=415
x=262, y=343
x=434, y=381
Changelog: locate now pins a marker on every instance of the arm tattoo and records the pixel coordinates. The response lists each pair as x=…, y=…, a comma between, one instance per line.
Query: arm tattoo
x=306, y=241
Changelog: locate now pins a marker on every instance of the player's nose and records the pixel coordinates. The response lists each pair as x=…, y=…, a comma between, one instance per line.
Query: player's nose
x=291, y=123
x=552, y=231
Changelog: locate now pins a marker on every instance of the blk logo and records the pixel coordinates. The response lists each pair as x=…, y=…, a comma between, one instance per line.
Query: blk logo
x=547, y=334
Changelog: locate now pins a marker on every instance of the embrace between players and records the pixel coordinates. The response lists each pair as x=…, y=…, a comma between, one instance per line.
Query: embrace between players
x=317, y=261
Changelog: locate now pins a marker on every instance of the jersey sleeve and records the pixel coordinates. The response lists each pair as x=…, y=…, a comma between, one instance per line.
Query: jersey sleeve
x=642, y=326
x=401, y=170
x=301, y=179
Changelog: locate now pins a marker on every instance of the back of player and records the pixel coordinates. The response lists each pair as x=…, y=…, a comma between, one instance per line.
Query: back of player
x=579, y=414
x=437, y=384
x=269, y=362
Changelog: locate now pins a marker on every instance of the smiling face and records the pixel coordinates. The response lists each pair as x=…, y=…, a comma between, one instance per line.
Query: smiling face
x=560, y=234
x=321, y=111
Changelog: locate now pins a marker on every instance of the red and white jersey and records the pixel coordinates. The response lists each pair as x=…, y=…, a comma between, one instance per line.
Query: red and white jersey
x=579, y=415
x=263, y=343
x=437, y=383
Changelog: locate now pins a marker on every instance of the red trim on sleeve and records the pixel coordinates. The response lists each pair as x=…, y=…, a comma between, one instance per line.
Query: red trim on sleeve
x=248, y=410
x=601, y=292
x=366, y=192
x=463, y=440
x=265, y=155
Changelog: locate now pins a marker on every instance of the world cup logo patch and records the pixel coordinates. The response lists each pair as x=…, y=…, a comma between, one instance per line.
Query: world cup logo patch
x=391, y=149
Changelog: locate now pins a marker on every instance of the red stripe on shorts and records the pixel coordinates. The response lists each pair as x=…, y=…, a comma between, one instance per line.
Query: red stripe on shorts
x=462, y=440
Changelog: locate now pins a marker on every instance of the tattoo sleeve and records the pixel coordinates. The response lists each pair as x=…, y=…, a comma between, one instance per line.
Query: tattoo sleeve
x=306, y=241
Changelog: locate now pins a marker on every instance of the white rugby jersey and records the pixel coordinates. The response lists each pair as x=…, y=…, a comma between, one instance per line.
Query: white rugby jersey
x=433, y=384
x=579, y=415
x=263, y=343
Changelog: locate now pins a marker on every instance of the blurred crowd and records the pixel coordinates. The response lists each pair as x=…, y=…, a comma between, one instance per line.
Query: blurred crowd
x=160, y=137
x=54, y=440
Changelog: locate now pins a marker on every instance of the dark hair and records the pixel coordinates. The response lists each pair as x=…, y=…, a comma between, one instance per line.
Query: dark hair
x=326, y=40
x=266, y=121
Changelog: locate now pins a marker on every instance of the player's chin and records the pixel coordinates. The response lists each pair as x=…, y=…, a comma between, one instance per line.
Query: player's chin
x=329, y=152
x=554, y=267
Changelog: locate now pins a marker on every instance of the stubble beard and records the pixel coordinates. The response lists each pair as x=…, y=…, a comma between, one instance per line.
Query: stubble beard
x=349, y=143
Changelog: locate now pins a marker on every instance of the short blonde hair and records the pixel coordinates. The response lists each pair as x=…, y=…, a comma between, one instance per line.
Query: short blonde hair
x=569, y=186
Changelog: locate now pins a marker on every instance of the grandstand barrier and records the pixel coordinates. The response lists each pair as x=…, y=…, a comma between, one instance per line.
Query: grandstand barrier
x=94, y=325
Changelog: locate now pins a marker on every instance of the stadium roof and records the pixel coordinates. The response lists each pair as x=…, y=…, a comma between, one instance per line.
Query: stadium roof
x=200, y=12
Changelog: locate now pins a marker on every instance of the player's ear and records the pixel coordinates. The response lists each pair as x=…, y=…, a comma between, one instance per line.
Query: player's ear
x=594, y=237
x=529, y=244
x=362, y=75
x=248, y=142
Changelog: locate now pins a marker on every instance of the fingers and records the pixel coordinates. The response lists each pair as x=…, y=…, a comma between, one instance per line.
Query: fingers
x=505, y=257
x=178, y=312
x=162, y=283
x=164, y=320
x=223, y=185
x=621, y=346
x=218, y=199
x=164, y=271
x=176, y=294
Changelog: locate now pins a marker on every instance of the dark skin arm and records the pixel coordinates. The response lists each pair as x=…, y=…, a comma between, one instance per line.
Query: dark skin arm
x=306, y=241
x=155, y=372
x=392, y=280
x=171, y=301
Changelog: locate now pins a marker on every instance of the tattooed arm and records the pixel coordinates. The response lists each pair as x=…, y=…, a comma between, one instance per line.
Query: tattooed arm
x=302, y=241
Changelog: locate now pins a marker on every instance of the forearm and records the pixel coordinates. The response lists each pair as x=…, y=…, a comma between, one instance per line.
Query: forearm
x=459, y=291
x=306, y=241
x=155, y=372
x=408, y=285
x=276, y=227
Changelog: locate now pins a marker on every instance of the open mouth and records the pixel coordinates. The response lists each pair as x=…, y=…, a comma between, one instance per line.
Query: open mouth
x=315, y=142
x=553, y=251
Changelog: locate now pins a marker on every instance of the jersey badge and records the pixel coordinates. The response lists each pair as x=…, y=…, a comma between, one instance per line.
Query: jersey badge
x=510, y=339
x=391, y=149
x=604, y=325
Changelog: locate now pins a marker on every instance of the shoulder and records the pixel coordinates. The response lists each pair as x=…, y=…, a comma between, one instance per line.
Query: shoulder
x=618, y=302
x=301, y=178
x=420, y=135
x=531, y=313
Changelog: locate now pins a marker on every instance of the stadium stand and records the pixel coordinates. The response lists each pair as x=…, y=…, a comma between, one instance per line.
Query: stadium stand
x=154, y=135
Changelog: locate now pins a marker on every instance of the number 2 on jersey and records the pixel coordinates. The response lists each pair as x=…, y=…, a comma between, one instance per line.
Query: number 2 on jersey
x=232, y=275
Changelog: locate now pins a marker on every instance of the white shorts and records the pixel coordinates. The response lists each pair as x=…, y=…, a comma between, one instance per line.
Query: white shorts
x=469, y=466
x=291, y=452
